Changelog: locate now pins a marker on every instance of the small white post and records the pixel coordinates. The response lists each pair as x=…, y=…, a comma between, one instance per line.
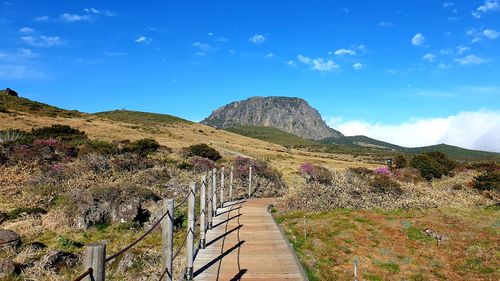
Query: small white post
x=190, y=234
x=167, y=235
x=231, y=185
x=222, y=187
x=210, y=211
x=355, y=269
x=250, y=182
x=214, y=194
x=203, y=212
x=95, y=257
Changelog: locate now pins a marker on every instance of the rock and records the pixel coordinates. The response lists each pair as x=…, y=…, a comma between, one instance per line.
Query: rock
x=11, y=92
x=9, y=238
x=36, y=246
x=90, y=215
x=126, y=263
x=57, y=260
x=3, y=217
x=7, y=268
x=292, y=115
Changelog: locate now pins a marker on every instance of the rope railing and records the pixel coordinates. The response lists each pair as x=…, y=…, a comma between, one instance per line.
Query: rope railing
x=95, y=254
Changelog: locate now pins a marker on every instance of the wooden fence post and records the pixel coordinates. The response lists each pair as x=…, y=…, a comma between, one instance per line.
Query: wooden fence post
x=190, y=234
x=231, y=185
x=214, y=195
x=222, y=187
x=167, y=239
x=210, y=211
x=95, y=257
x=250, y=182
x=355, y=269
x=203, y=212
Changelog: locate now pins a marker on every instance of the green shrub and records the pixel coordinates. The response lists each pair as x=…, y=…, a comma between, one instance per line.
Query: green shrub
x=489, y=180
x=385, y=184
x=59, y=132
x=144, y=147
x=14, y=214
x=433, y=165
x=361, y=171
x=185, y=165
x=205, y=151
x=3, y=109
x=99, y=147
x=400, y=161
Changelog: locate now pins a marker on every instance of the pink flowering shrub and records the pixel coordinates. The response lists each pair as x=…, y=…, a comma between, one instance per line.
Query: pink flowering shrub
x=383, y=171
x=316, y=173
x=201, y=164
x=48, y=142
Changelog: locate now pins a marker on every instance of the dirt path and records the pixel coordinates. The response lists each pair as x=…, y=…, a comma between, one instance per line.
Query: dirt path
x=246, y=244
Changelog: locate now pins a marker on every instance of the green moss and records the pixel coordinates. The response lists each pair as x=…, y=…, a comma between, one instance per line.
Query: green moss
x=416, y=234
x=14, y=214
x=389, y=266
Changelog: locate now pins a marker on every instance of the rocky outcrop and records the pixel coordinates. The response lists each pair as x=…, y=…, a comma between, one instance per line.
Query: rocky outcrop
x=292, y=115
x=57, y=260
x=9, y=238
x=11, y=92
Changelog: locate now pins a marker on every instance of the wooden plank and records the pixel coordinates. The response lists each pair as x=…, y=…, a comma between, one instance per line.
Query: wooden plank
x=246, y=244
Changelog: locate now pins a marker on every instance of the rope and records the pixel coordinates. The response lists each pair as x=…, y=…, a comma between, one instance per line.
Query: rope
x=83, y=275
x=122, y=251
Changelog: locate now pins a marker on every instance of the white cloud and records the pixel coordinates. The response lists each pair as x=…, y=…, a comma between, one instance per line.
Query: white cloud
x=20, y=55
x=42, y=41
x=418, y=39
x=358, y=66
x=19, y=72
x=74, y=17
x=202, y=46
x=386, y=24
x=318, y=64
x=429, y=57
x=478, y=34
x=471, y=60
x=473, y=130
x=41, y=18
x=258, y=39
x=143, y=40
x=270, y=55
x=210, y=34
x=221, y=39
x=291, y=63
x=462, y=50
x=448, y=4
x=99, y=12
x=488, y=6
x=26, y=30
x=342, y=52
x=490, y=34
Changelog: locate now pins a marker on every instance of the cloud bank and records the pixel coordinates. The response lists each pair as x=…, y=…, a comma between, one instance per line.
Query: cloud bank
x=471, y=129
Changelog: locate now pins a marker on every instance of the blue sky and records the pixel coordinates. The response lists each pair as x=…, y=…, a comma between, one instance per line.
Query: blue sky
x=362, y=64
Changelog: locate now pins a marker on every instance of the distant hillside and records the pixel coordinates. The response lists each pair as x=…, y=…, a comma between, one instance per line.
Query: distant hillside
x=9, y=102
x=457, y=152
x=363, y=141
x=273, y=135
x=144, y=118
x=292, y=115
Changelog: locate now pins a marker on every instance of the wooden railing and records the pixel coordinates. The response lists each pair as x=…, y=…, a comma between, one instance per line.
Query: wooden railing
x=95, y=254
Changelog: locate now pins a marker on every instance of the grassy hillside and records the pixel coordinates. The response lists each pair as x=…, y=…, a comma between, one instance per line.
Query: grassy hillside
x=363, y=141
x=143, y=118
x=273, y=135
x=457, y=152
x=10, y=103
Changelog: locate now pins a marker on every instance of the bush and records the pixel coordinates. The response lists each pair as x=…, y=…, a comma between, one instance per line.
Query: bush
x=144, y=147
x=184, y=165
x=432, y=165
x=383, y=170
x=59, y=132
x=131, y=162
x=99, y=147
x=316, y=173
x=205, y=151
x=201, y=164
x=489, y=180
x=361, y=171
x=384, y=184
x=400, y=161
x=409, y=174
x=242, y=167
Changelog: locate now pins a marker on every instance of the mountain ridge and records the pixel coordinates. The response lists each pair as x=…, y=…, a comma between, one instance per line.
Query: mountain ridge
x=290, y=114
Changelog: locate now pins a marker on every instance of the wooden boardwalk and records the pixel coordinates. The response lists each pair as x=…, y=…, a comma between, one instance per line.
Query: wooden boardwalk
x=246, y=244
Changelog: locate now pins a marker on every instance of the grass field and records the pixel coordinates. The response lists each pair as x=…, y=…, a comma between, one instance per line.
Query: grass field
x=144, y=118
x=392, y=245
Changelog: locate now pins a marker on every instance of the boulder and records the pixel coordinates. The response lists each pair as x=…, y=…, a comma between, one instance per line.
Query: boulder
x=90, y=215
x=9, y=238
x=57, y=260
x=11, y=92
x=126, y=263
x=7, y=268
